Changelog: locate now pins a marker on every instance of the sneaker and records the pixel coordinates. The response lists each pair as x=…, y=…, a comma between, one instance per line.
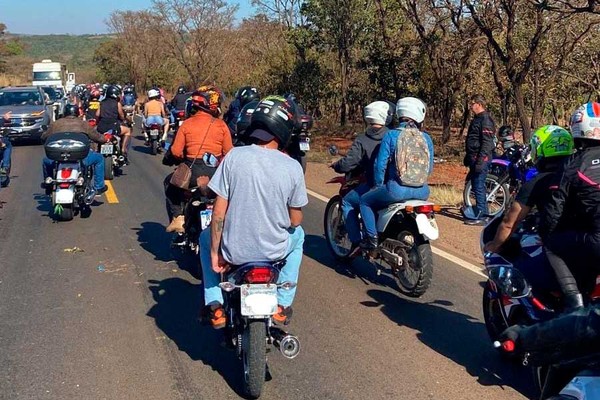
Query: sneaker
x=283, y=315
x=3, y=171
x=125, y=160
x=477, y=222
x=217, y=317
x=369, y=243
x=101, y=190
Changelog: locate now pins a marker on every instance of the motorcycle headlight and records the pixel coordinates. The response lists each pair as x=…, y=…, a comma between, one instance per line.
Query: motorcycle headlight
x=510, y=281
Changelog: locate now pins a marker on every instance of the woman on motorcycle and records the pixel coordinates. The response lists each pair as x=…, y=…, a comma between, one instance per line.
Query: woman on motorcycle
x=204, y=138
x=154, y=113
x=549, y=157
x=388, y=187
x=110, y=114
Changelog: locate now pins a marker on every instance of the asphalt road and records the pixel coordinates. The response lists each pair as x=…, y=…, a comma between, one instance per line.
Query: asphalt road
x=119, y=320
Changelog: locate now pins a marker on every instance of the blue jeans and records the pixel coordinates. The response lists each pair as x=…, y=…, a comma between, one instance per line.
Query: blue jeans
x=478, y=187
x=172, y=115
x=93, y=159
x=350, y=204
x=7, y=154
x=380, y=197
x=290, y=272
x=154, y=119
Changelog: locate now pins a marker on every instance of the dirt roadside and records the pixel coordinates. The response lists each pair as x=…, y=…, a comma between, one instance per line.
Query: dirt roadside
x=456, y=238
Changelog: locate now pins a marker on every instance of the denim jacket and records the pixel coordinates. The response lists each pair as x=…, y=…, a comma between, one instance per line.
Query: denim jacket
x=386, y=157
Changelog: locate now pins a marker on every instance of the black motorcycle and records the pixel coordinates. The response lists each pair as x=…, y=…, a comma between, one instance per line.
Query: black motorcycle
x=154, y=132
x=250, y=294
x=198, y=215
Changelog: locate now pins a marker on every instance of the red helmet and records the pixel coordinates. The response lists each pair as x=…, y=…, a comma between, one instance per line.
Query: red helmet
x=207, y=98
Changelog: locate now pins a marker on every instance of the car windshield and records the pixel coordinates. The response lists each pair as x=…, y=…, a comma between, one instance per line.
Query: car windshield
x=46, y=76
x=52, y=93
x=20, y=98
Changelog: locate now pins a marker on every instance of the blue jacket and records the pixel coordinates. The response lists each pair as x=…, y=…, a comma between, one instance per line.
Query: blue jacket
x=387, y=157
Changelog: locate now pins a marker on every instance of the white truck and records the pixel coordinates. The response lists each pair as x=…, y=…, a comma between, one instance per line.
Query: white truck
x=48, y=73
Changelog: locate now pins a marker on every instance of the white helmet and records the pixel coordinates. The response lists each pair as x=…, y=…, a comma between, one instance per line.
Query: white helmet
x=585, y=122
x=378, y=112
x=153, y=93
x=411, y=107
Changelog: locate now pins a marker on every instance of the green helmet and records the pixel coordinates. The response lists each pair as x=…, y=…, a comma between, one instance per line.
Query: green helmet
x=550, y=141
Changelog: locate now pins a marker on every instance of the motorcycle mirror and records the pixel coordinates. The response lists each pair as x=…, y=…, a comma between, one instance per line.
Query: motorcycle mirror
x=333, y=150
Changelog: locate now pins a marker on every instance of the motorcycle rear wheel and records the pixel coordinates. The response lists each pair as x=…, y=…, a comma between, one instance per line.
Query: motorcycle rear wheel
x=254, y=357
x=154, y=147
x=332, y=220
x=496, y=203
x=109, y=173
x=415, y=278
x=66, y=213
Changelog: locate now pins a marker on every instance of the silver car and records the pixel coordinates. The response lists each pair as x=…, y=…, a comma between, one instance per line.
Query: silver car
x=31, y=114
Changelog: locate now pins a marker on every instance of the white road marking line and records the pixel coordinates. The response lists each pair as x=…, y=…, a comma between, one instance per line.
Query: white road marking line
x=456, y=260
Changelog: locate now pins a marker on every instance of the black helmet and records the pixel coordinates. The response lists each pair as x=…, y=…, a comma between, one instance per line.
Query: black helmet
x=247, y=94
x=113, y=92
x=71, y=110
x=243, y=120
x=506, y=133
x=275, y=115
x=290, y=96
x=181, y=90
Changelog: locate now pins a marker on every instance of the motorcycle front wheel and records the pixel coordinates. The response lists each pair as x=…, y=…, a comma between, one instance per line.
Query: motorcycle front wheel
x=497, y=195
x=335, y=229
x=414, y=275
x=254, y=357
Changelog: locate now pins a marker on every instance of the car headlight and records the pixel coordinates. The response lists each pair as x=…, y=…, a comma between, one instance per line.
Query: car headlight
x=37, y=121
x=38, y=114
x=510, y=281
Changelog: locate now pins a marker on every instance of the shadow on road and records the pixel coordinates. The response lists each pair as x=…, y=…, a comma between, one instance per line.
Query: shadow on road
x=457, y=336
x=153, y=238
x=178, y=303
x=316, y=248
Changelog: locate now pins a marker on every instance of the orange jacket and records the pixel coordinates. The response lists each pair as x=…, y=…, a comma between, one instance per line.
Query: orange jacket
x=192, y=132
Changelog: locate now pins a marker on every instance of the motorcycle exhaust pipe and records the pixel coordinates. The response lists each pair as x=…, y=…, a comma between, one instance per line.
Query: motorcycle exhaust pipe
x=288, y=345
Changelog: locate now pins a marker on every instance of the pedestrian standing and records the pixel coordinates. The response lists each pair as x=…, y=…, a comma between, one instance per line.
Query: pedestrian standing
x=479, y=150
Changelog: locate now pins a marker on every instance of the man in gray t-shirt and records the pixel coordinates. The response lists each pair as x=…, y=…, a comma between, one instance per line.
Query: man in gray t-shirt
x=257, y=213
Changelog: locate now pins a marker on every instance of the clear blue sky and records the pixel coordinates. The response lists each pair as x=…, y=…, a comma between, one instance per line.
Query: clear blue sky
x=73, y=16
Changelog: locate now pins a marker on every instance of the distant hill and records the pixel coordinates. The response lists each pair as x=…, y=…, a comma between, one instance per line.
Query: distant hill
x=76, y=51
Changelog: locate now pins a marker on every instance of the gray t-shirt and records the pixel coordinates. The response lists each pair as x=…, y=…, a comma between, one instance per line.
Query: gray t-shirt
x=260, y=184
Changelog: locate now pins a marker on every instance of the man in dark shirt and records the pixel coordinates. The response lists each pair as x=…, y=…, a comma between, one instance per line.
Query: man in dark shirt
x=7, y=148
x=178, y=103
x=71, y=123
x=479, y=146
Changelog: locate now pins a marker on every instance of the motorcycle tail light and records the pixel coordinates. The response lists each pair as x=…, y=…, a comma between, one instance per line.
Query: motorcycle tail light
x=259, y=275
x=92, y=122
x=154, y=126
x=65, y=173
x=426, y=209
x=63, y=185
x=181, y=114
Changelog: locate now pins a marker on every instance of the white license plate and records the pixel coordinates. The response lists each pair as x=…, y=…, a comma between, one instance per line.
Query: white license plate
x=106, y=149
x=304, y=146
x=180, y=122
x=205, y=218
x=154, y=132
x=258, y=300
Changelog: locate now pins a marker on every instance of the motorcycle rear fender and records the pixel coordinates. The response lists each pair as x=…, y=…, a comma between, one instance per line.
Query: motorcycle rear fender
x=75, y=167
x=384, y=217
x=64, y=196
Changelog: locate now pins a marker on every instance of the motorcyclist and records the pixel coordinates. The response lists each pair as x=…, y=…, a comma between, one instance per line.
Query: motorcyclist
x=129, y=98
x=244, y=95
x=178, y=102
x=72, y=123
x=570, y=222
x=388, y=187
x=6, y=146
x=92, y=104
x=550, y=147
x=243, y=122
x=154, y=113
x=249, y=196
x=202, y=137
x=110, y=115
x=506, y=138
x=361, y=159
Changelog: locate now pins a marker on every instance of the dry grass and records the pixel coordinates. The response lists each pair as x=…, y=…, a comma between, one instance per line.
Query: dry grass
x=8, y=80
x=446, y=195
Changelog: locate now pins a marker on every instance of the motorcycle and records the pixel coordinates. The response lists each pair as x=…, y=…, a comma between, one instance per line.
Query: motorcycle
x=506, y=175
x=111, y=151
x=153, y=132
x=129, y=114
x=405, y=230
x=71, y=183
x=300, y=140
x=178, y=118
x=521, y=288
x=250, y=299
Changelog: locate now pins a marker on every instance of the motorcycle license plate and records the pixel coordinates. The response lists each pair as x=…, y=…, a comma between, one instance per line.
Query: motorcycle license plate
x=304, y=145
x=106, y=149
x=205, y=218
x=180, y=122
x=258, y=300
x=154, y=133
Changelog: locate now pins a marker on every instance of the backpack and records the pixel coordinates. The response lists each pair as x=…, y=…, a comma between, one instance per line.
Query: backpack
x=412, y=157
